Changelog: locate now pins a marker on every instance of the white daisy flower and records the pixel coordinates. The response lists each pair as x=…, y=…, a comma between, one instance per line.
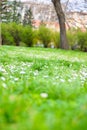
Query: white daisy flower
x=44, y=95
x=3, y=78
x=22, y=72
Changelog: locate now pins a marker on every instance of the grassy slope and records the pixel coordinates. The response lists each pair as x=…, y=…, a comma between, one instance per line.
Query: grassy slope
x=26, y=73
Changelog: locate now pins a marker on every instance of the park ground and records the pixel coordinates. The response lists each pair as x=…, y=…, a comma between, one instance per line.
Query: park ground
x=42, y=89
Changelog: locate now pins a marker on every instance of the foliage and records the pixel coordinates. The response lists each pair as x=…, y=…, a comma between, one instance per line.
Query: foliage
x=35, y=37
x=16, y=11
x=10, y=11
x=15, y=31
x=56, y=39
x=44, y=35
x=11, y=34
x=5, y=11
x=72, y=38
x=82, y=40
x=42, y=89
x=7, y=38
x=27, y=35
x=17, y=34
x=28, y=17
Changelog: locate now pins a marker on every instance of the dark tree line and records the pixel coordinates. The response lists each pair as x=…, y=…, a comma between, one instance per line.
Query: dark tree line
x=11, y=11
x=28, y=17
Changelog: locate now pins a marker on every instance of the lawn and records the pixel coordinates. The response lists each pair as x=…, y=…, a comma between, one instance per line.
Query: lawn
x=42, y=89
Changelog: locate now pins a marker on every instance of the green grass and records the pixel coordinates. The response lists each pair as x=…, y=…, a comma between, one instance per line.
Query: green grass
x=42, y=89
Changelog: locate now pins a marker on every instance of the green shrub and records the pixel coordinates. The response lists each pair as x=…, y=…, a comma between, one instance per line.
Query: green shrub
x=82, y=40
x=11, y=34
x=15, y=31
x=56, y=39
x=27, y=36
x=35, y=37
x=72, y=39
x=45, y=36
x=7, y=39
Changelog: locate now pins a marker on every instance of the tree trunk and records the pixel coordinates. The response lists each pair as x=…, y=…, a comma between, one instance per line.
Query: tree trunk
x=45, y=45
x=61, y=17
x=17, y=44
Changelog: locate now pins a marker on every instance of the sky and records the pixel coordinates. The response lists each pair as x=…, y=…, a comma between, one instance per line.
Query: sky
x=77, y=5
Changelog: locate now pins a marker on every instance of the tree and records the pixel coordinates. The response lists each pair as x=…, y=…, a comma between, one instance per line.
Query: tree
x=10, y=11
x=73, y=20
x=5, y=11
x=61, y=17
x=44, y=35
x=0, y=35
x=27, y=35
x=16, y=11
x=28, y=17
x=4, y=14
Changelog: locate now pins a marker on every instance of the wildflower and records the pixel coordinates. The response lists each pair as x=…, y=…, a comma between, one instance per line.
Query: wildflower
x=84, y=74
x=69, y=80
x=56, y=77
x=36, y=73
x=44, y=95
x=46, y=76
x=4, y=85
x=22, y=72
x=3, y=78
x=62, y=80
x=16, y=79
x=75, y=75
x=11, y=76
x=2, y=69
